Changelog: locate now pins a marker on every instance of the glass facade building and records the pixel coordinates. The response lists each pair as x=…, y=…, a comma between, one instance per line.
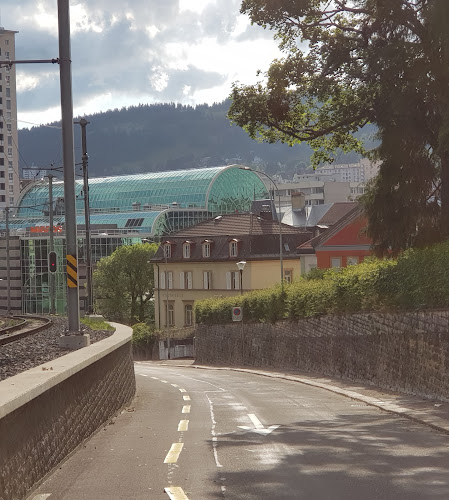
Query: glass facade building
x=123, y=211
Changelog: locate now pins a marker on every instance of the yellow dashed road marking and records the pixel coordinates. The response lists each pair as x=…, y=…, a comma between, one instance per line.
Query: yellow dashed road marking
x=176, y=493
x=173, y=454
x=183, y=425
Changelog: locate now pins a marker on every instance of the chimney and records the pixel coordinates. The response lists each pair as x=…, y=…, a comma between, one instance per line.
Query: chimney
x=298, y=200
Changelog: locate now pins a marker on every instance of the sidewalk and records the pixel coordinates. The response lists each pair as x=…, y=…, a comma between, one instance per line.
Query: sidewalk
x=430, y=412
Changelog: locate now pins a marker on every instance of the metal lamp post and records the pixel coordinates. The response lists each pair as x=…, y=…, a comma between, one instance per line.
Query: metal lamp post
x=279, y=219
x=241, y=266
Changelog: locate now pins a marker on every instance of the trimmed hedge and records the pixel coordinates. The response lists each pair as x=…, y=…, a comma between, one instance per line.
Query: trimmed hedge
x=418, y=279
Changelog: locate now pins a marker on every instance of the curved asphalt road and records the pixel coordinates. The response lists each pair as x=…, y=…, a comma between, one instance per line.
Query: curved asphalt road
x=214, y=434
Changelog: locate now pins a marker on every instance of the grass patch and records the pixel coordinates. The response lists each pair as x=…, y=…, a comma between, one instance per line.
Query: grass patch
x=96, y=324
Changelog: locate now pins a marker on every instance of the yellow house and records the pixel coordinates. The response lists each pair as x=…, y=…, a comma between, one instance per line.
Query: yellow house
x=201, y=261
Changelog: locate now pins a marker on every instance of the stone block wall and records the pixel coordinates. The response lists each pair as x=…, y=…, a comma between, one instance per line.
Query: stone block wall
x=38, y=435
x=406, y=352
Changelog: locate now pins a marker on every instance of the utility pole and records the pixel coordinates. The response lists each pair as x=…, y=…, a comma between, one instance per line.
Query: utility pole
x=8, y=268
x=65, y=75
x=83, y=122
x=51, y=276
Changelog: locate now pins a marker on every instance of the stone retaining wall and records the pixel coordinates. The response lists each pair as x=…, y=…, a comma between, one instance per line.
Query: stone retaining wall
x=47, y=412
x=406, y=352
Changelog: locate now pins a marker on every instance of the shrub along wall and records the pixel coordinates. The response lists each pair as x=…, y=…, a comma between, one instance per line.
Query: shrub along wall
x=406, y=352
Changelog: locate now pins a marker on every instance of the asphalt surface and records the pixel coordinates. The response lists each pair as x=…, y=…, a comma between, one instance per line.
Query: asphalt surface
x=210, y=433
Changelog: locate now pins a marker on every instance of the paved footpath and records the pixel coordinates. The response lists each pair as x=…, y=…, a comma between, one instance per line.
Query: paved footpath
x=431, y=412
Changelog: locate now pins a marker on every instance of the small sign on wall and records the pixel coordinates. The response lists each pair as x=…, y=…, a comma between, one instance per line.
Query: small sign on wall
x=237, y=314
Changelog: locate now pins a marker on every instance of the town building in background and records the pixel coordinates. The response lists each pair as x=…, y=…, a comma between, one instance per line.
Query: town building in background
x=9, y=152
x=203, y=261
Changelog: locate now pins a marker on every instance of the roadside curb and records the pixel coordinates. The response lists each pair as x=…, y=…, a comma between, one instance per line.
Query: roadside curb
x=433, y=421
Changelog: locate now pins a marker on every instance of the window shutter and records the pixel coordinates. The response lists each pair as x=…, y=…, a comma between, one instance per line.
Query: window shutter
x=181, y=280
x=205, y=280
x=228, y=280
x=162, y=280
x=170, y=280
x=189, y=280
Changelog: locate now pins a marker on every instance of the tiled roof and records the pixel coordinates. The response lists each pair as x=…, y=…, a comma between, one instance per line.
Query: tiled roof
x=236, y=225
x=336, y=212
x=256, y=238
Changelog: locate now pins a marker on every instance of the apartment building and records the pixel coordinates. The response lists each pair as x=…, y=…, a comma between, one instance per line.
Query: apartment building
x=9, y=155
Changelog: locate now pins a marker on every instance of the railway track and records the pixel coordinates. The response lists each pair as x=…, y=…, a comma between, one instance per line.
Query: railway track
x=24, y=327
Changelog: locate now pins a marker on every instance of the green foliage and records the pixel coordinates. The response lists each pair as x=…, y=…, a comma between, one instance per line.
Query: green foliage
x=347, y=64
x=143, y=336
x=124, y=284
x=96, y=324
x=419, y=278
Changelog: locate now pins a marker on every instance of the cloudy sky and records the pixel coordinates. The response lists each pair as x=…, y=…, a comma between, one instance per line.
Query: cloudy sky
x=126, y=52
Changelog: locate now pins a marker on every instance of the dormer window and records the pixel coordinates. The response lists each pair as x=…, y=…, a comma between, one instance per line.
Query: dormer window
x=167, y=250
x=233, y=248
x=206, y=248
x=186, y=250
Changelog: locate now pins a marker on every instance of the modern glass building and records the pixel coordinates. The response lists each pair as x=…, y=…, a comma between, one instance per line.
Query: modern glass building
x=153, y=203
x=123, y=210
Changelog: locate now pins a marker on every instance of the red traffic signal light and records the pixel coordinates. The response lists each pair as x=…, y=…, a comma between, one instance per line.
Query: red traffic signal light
x=52, y=262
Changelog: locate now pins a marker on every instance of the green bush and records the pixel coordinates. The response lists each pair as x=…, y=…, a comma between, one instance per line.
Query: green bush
x=419, y=278
x=143, y=335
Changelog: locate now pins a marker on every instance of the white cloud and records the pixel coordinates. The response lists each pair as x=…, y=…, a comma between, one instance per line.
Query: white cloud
x=131, y=51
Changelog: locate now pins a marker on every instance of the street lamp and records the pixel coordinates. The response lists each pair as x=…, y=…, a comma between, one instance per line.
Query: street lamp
x=241, y=266
x=279, y=219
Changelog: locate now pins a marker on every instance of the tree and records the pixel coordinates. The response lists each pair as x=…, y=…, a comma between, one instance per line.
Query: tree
x=349, y=63
x=124, y=283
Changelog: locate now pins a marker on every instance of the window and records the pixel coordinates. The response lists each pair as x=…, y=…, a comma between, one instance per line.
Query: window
x=9, y=140
x=188, y=315
x=7, y=55
x=11, y=189
x=233, y=280
x=11, y=200
x=6, y=42
x=207, y=280
x=2, y=186
x=9, y=151
x=352, y=261
x=10, y=176
x=336, y=262
x=2, y=174
x=169, y=314
x=9, y=165
x=8, y=126
x=186, y=250
x=8, y=103
x=2, y=198
x=233, y=248
x=167, y=250
x=288, y=275
x=186, y=280
x=166, y=280
x=206, y=249
x=8, y=92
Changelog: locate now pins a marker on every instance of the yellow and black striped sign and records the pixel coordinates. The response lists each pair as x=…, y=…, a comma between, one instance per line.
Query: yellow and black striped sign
x=72, y=272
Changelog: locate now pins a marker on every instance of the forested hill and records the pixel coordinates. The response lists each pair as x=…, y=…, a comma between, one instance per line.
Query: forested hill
x=160, y=137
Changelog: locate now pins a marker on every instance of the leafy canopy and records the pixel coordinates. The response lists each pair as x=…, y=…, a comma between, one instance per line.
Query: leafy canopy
x=352, y=62
x=124, y=283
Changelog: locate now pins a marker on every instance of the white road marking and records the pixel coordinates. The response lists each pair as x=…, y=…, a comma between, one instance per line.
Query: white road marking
x=186, y=409
x=173, y=454
x=155, y=378
x=183, y=425
x=174, y=385
x=164, y=381
x=143, y=375
x=182, y=390
x=214, y=434
x=43, y=496
x=176, y=493
x=186, y=398
x=258, y=426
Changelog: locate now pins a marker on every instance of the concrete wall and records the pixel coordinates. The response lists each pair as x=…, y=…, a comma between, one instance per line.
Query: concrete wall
x=48, y=411
x=405, y=352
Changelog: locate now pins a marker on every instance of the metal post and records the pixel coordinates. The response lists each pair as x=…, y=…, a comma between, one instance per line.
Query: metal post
x=241, y=281
x=85, y=157
x=8, y=268
x=51, y=276
x=68, y=160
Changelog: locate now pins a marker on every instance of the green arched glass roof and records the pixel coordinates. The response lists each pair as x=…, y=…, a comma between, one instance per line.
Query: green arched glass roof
x=217, y=189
